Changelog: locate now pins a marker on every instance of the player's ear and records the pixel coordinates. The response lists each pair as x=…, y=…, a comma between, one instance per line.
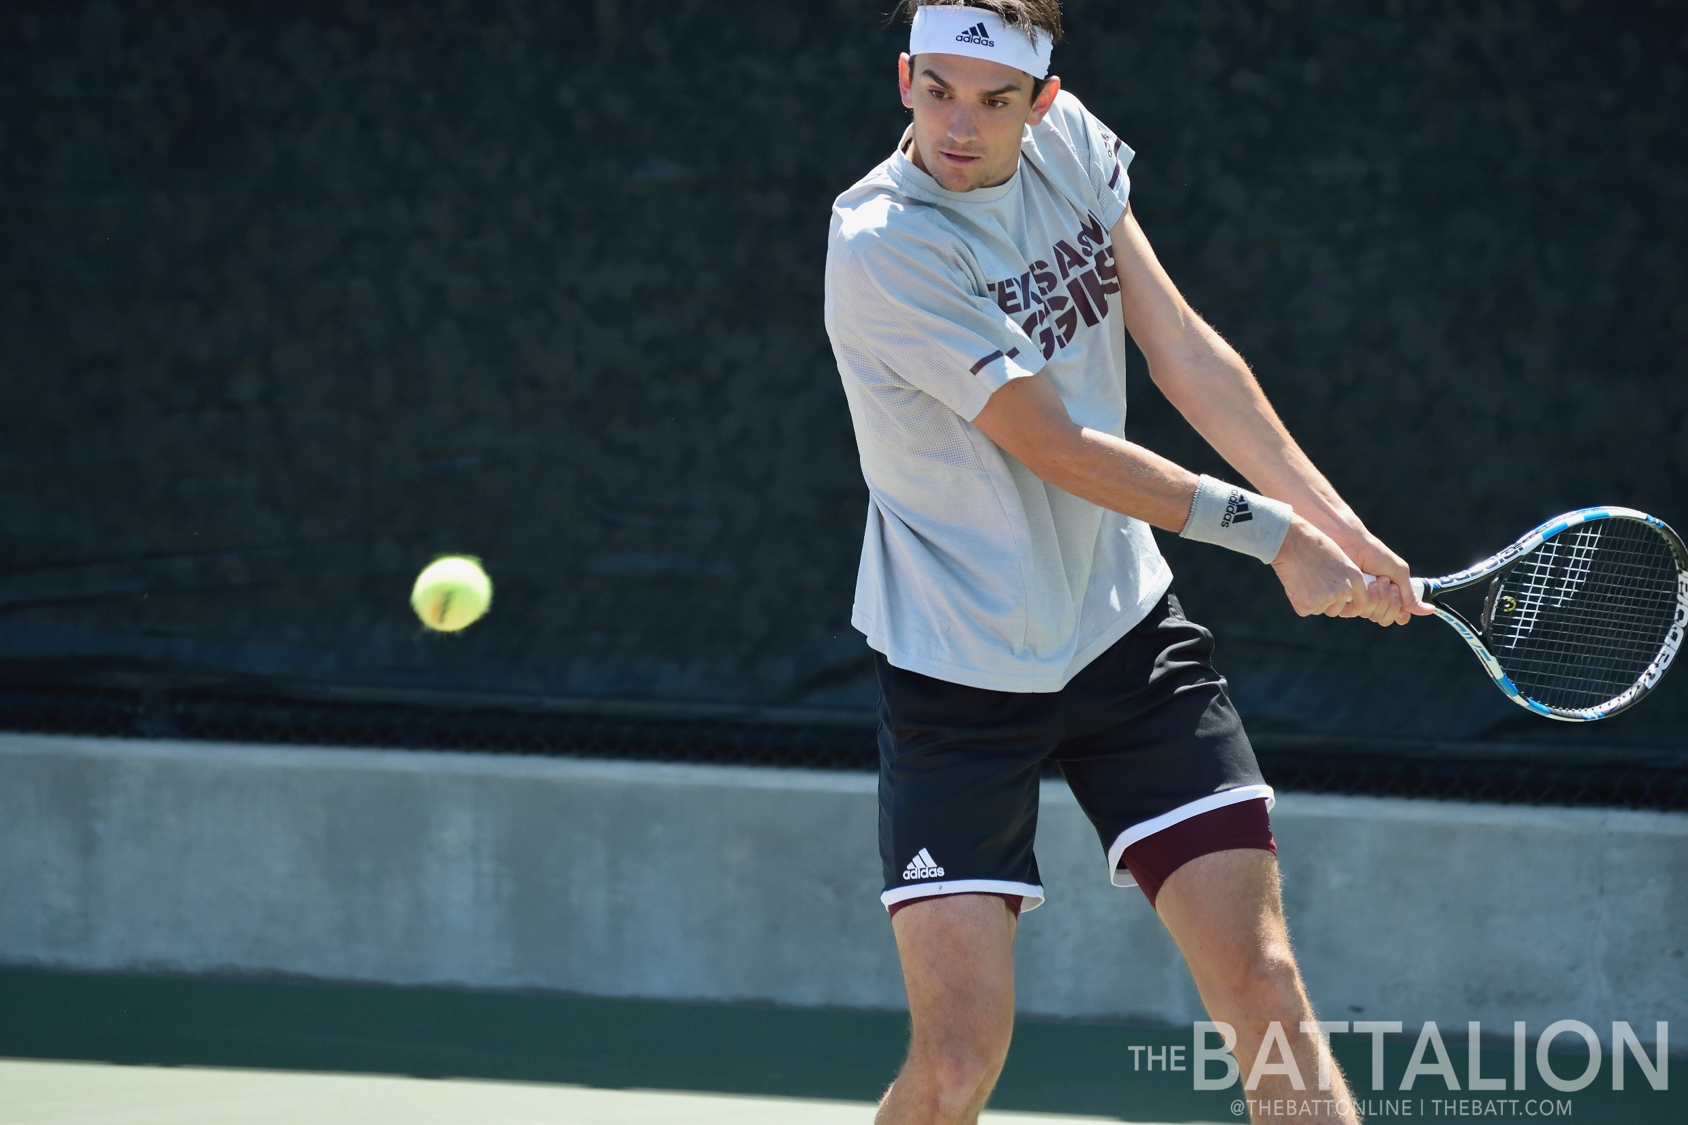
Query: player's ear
x=1045, y=98
x=905, y=80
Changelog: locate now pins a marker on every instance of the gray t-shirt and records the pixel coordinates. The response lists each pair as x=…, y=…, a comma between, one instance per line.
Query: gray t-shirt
x=973, y=570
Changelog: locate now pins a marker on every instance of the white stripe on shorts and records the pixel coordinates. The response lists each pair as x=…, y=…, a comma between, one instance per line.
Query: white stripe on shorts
x=1032, y=895
x=1144, y=829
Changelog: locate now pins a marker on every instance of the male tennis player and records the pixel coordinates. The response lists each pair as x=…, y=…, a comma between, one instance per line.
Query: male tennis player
x=979, y=286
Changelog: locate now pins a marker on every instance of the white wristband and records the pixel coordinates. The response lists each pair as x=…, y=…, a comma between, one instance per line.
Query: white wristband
x=1234, y=517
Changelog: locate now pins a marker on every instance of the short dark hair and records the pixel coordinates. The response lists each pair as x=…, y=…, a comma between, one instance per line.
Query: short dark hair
x=1045, y=15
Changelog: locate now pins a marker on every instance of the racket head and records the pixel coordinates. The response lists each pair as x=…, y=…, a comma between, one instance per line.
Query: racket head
x=1583, y=616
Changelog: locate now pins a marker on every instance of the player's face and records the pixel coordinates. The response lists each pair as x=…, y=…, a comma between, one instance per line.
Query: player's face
x=968, y=115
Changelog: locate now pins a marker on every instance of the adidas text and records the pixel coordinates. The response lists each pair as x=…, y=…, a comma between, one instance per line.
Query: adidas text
x=976, y=34
x=923, y=866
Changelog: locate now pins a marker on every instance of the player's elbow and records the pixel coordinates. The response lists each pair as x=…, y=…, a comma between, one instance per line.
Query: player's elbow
x=1179, y=367
x=1163, y=375
x=1186, y=359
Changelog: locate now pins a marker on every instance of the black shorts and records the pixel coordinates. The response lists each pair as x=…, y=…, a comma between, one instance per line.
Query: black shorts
x=1145, y=736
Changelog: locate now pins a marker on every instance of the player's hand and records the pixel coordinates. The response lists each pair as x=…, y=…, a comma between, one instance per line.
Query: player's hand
x=1393, y=599
x=1319, y=578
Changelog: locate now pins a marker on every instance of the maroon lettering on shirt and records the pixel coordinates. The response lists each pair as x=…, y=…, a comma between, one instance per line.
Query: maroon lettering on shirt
x=1087, y=297
x=1091, y=275
x=1091, y=236
x=1067, y=258
x=1045, y=280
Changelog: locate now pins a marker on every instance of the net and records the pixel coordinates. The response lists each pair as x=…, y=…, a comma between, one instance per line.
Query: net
x=1578, y=621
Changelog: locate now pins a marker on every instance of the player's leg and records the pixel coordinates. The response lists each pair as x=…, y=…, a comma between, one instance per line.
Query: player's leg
x=1225, y=912
x=958, y=966
x=1166, y=773
x=958, y=791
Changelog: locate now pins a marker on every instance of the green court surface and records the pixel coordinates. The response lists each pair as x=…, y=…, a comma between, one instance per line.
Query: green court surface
x=64, y=1093
x=134, y=1050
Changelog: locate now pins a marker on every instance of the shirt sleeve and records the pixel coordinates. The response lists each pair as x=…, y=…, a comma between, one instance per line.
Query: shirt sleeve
x=1104, y=155
x=913, y=305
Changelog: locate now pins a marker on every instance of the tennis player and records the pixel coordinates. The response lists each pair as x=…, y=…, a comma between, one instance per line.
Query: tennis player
x=979, y=285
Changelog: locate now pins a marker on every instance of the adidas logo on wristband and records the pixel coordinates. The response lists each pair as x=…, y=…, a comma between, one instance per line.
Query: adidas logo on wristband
x=1238, y=519
x=1236, y=510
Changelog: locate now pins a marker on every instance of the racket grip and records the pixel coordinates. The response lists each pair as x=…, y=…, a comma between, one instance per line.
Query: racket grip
x=1418, y=584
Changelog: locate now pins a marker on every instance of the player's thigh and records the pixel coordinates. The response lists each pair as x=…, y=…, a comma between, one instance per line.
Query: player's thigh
x=957, y=953
x=1225, y=911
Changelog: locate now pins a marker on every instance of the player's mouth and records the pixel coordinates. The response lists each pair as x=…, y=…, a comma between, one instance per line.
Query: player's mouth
x=958, y=159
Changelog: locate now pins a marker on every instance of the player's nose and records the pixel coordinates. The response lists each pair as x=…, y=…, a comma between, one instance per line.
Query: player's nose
x=963, y=128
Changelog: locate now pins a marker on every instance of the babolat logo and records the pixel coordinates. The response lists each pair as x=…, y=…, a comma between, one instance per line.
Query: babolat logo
x=923, y=866
x=976, y=34
x=1236, y=510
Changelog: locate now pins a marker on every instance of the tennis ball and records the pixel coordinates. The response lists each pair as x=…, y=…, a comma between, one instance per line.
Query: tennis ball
x=451, y=593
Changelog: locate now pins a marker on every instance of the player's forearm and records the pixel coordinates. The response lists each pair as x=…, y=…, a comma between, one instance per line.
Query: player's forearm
x=1120, y=476
x=1029, y=421
x=1215, y=391
x=1212, y=387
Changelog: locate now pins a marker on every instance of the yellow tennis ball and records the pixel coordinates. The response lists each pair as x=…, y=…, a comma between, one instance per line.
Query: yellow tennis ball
x=451, y=593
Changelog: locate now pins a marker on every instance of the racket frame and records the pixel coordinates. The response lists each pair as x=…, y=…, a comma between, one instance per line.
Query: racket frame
x=1430, y=588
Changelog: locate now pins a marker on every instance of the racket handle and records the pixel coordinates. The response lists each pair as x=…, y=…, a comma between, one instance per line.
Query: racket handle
x=1418, y=584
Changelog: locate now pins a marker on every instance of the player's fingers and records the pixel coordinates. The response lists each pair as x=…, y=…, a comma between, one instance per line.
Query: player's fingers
x=1389, y=613
x=1377, y=597
x=1391, y=598
x=1415, y=605
x=1369, y=597
x=1379, y=610
x=1411, y=603
x=1343, y=604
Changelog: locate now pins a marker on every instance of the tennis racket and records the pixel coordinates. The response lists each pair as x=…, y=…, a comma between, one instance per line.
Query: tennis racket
x=1581, y=617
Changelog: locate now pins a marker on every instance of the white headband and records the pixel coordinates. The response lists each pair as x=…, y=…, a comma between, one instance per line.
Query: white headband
x=948, y=29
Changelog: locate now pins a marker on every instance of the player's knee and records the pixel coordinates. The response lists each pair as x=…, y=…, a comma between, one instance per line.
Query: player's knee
x=962, y=1068
x=960, y=1078
x=1262, y=985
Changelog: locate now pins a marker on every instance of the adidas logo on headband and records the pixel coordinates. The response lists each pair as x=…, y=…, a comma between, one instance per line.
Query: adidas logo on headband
x=953, y=29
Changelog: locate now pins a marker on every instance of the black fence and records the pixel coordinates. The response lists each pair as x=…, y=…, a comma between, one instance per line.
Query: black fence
x=294, y=297
x=1513, y=773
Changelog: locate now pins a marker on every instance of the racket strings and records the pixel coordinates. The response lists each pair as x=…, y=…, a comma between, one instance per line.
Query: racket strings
x=1579, y=620
x=1545, y=582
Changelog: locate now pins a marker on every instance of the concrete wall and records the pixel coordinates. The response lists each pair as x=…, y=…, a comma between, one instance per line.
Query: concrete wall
x=744, y=884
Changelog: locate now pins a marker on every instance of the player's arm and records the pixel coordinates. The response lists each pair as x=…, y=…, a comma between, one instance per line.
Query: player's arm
x=1027, y=418
x=1214, y=389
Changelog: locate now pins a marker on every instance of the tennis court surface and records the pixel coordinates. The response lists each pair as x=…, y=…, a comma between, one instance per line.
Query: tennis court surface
x=134, y=1050
x=65, y=1093
x=85, y=1048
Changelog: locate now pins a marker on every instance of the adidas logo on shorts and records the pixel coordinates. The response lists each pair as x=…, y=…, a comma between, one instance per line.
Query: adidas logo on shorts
x=923, y=866
x=975, y=34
